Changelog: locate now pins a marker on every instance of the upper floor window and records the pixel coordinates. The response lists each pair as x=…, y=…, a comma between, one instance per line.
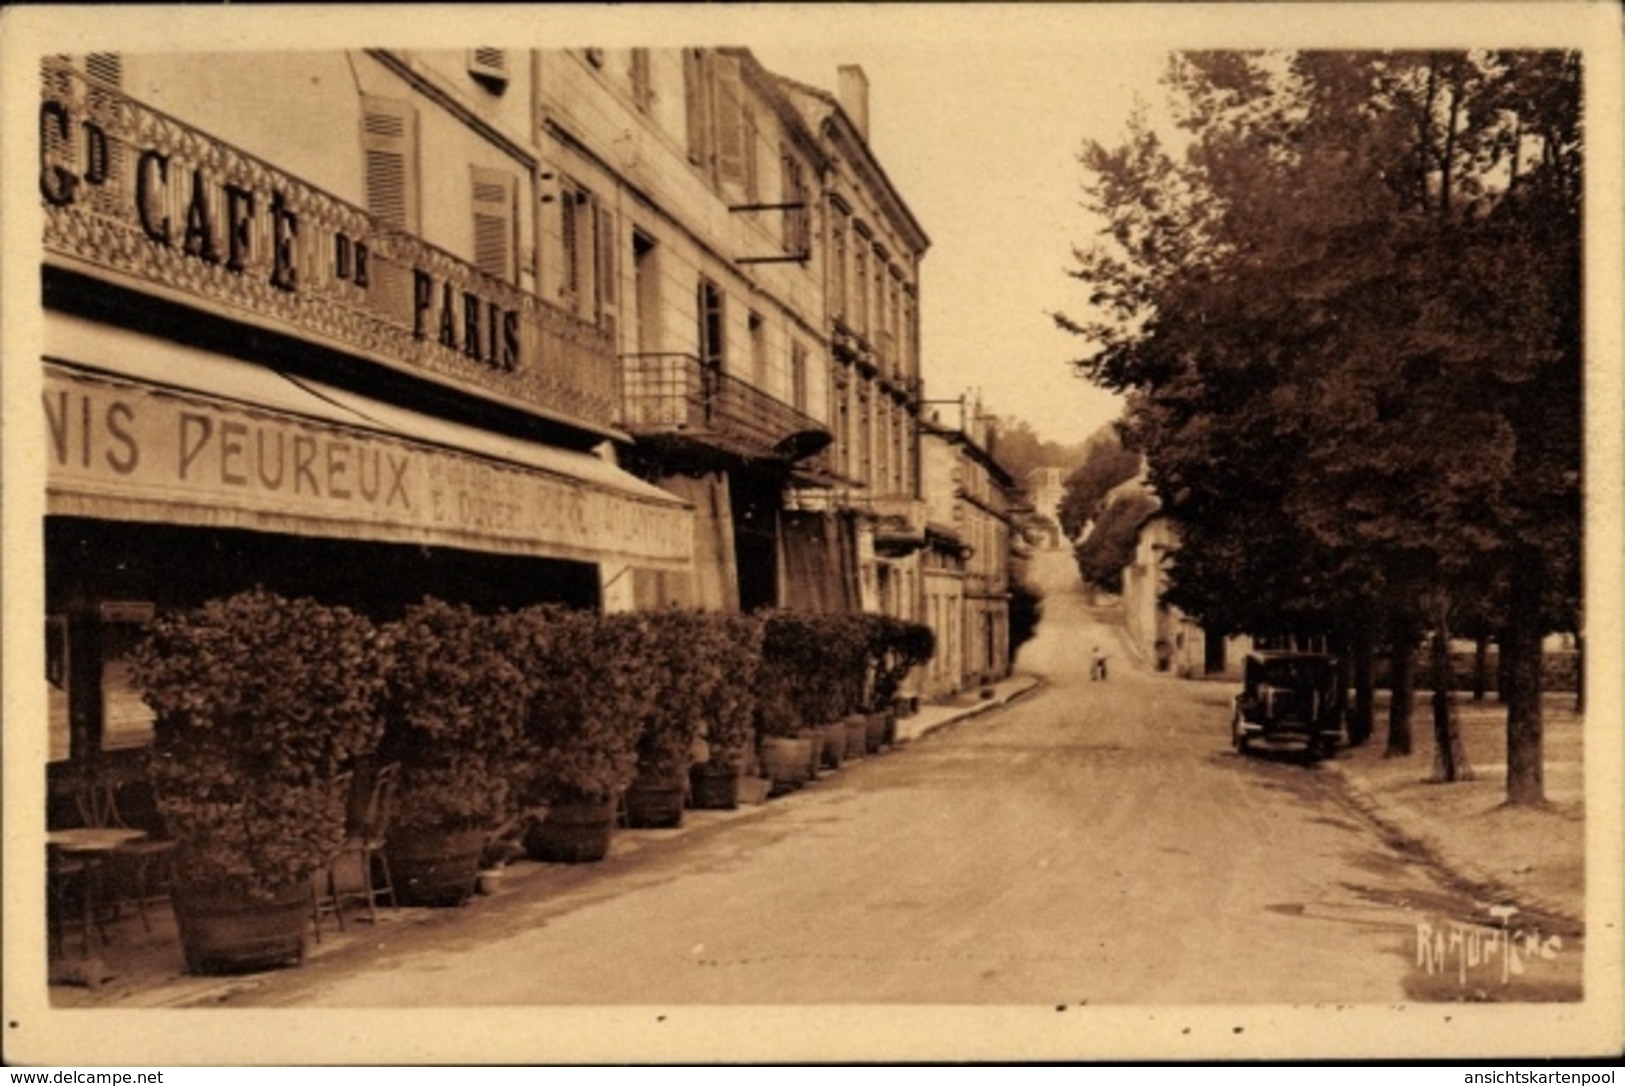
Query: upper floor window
x=797, y=235
x=712, y=329
x=389, y=147
x=587, y=241
x=494, y=223
x=837, y=259
x=798, y=377
x=489, y=66
x=642, y=79
x=722, y=134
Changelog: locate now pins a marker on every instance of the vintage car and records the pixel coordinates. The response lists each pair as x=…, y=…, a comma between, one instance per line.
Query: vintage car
x=1288, y=697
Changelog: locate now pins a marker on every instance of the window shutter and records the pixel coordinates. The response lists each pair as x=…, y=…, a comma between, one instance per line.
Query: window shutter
x=489, y=65
x=748, y=138
x=729, y=120
x=494, y=222
x=108, y=68
x=642, y=80
x=389, y=144
x=570, y=241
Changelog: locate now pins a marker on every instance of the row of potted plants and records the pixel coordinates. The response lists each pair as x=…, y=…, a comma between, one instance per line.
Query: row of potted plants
x=543, y=718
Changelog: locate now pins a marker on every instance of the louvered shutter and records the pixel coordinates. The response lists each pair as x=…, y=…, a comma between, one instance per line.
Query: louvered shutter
x=489, y=65
x=697, y=107
x=729, y=121
x=389, y=144
x=107, y=68
x=747, y=125
x=494, y=223
x=608, y=268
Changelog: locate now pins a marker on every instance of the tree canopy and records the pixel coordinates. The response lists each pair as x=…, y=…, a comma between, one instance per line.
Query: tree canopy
x=1344, y=299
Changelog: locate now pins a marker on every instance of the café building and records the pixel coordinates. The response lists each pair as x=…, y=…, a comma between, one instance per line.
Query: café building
x=293, y=336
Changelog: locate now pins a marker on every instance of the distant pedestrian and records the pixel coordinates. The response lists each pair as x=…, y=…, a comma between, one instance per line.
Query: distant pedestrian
x=1097, y=665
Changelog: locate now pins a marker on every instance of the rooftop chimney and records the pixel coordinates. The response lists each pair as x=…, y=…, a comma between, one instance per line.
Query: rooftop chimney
x=854, y=96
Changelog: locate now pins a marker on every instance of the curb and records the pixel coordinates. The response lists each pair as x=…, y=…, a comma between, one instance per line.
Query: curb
x=1032, y=682
x=1463, y=873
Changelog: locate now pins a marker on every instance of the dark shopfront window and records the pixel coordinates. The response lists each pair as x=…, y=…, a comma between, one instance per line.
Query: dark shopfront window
x=102, y=577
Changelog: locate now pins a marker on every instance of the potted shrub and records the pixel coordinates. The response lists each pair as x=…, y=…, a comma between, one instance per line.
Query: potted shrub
x=262, y=704
x=454, y=707
x=590, y=695
x=683, y=668
x=900, y=647
x=734, y=645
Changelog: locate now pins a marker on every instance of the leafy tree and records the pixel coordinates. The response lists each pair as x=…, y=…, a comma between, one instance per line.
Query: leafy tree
x=1348, y=319
x=1110, y=546
x=1084, y=491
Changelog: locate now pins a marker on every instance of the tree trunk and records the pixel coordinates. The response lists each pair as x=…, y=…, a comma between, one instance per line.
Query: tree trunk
x=1402, y=692
x=1521, y=650
x=1503, y=666
x=1579, y=673
x=1449, y=755
x=1360, y=723
x=1481, y=666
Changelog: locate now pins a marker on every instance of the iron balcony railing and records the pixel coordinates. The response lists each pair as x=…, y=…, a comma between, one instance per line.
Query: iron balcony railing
x=673, y=393
x=131, y=193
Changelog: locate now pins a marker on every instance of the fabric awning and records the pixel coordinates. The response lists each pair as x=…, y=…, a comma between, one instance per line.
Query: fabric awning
x=144, y=429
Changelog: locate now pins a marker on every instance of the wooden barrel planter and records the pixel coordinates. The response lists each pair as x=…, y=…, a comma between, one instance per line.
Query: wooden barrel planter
x=713, y=787
x=857, y=735
x=654, y=801
x=816, y=738
x=785, y=761
x=223, y=932
x=572, y=833
x=875, y=731
x=435, y=868
x=834, y=745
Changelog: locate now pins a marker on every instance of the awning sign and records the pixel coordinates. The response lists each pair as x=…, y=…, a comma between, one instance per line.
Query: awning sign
x=130, y=452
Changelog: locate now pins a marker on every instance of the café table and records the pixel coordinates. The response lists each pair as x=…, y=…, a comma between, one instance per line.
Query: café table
x=82, y=851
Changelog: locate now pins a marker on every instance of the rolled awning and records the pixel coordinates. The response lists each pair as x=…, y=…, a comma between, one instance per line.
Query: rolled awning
x=148, y=430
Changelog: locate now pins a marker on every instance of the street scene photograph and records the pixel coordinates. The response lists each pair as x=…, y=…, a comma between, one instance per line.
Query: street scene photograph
x=804, y=534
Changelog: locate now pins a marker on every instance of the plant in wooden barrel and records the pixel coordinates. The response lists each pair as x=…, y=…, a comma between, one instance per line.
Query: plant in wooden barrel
x=454, y=721
x=262, y=705
x=734, y=645
x=683, y=667
x=590, y=695
x=896, y=649
x=788, y=755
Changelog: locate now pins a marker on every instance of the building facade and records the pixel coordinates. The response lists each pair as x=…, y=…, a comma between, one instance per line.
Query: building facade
x=872, y=247
x=971, y=504
x=303, y=330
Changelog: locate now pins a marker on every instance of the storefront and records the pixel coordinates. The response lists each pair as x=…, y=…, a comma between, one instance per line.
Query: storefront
x=247, y=381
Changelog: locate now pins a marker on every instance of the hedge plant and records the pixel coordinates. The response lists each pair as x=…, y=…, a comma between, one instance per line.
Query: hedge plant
x=455, y=706
x=262, y=703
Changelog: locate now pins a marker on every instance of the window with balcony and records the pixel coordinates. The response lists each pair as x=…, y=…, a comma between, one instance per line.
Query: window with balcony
x=489, y=67
x=860, y=282
x=712, y=327
x=390, y=154
x=758, y=350
x=588, y=239
x=495, y=223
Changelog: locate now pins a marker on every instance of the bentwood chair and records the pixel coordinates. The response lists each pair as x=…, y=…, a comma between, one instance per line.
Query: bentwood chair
x=360, y=870
x=140, y=870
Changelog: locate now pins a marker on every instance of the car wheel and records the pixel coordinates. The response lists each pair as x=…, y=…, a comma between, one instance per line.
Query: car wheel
x=1238, y=738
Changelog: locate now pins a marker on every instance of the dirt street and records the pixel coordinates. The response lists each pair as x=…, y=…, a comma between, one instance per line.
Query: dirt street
x=1094, y=842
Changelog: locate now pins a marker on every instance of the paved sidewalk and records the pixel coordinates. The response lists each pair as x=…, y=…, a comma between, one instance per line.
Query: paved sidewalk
x=143, y=968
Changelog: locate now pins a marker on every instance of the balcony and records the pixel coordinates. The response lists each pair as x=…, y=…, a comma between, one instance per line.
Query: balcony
x=675, y=399
x=135, y=197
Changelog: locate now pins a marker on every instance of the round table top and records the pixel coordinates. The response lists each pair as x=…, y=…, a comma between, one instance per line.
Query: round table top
x=92, y=838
